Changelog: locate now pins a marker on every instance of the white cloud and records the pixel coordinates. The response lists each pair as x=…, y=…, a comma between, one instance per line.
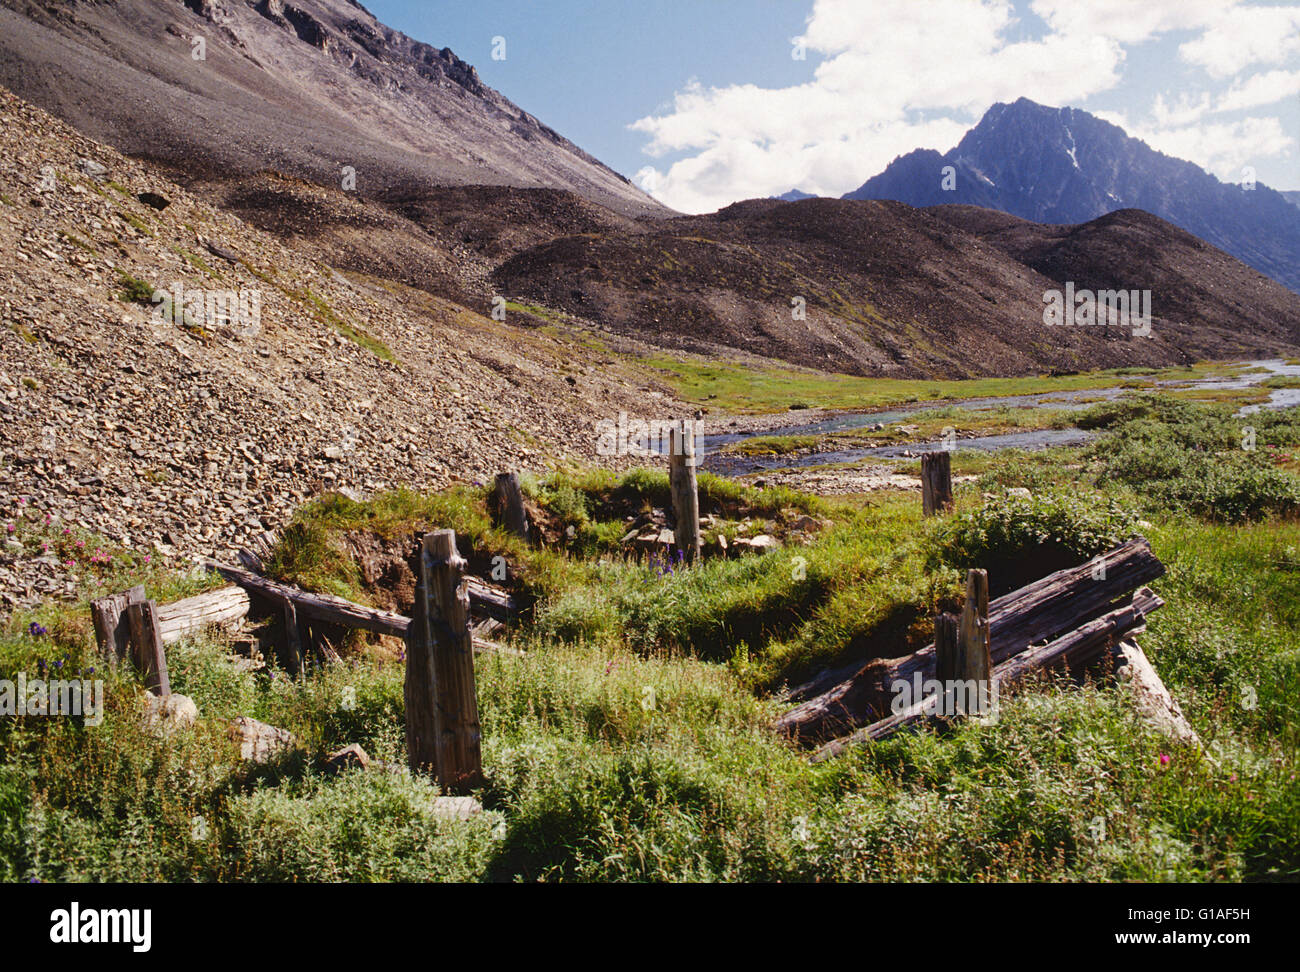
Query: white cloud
x=1184, y=112
x=1124, y=20
x=1241, y=36
x=896, y=77
x=1266, y=88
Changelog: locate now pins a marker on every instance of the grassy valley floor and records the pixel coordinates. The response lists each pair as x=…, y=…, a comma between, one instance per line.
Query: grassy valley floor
x=633, y=740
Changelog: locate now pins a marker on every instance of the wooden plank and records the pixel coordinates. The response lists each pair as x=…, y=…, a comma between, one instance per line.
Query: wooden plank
x=147, y=652
x=418, y=691
x=112, y=631
x=1036, y=613
x=947, y=647
x=971, y=663
x=936, y=482
x=685, y=489
x=291, y=647
x=508, y=504
x=1151, y=699
x=192, y=615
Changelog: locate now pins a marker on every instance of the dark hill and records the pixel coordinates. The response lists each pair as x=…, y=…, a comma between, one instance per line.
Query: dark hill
x=892, y=290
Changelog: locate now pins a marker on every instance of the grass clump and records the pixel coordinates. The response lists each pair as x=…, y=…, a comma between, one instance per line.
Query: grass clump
x=353, y=333
x=134, y=290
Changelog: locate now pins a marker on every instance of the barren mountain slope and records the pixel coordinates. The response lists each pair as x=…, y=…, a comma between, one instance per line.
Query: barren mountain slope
x=1134, y=250
x=195, y=437
x=892, y=290
x=303, y=87
x=446, y=240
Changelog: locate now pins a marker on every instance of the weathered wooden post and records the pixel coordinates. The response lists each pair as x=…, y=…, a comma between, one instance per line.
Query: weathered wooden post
x=685, y=490
x=112, y=632
x=962, y=650
x=936, y=482
x=508, y=503
x=291, y=658
x=946, y=655
x=442, y=727
x=147, y=646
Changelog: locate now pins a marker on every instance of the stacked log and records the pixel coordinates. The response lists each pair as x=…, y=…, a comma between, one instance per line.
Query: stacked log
x=1037, y=614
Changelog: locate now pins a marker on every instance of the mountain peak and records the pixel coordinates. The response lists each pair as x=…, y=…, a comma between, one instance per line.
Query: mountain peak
x=1065, y=165
x=221, y=88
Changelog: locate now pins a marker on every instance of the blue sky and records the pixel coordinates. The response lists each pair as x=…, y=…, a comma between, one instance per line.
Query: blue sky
x=703, y=102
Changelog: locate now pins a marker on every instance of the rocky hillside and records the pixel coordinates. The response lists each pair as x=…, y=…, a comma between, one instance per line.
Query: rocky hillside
x=1062, y=165
x=195, y=435
x=892, y=290
x=302, y=87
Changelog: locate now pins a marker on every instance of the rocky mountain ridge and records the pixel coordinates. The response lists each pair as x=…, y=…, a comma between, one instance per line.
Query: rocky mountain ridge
x=317, y=89
x=1066, y=166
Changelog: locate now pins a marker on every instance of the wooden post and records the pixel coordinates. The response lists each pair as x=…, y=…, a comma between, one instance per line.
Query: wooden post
x=936, y=482
x=508, y=501
x=686, y=496
x=291, y=659
x=112, y=631
x=970, y=663
x=442, y=727
x=147, y=647
x=946, y=653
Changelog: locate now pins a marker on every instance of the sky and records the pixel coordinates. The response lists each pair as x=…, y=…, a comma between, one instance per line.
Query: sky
x=704, y=102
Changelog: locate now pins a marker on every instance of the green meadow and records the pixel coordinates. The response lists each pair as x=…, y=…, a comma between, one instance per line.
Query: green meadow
x=632, y=740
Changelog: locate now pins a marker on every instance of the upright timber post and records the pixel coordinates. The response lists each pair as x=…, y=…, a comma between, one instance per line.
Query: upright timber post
x=963, y=666
x=686, y=496
x=508, y=500
x=936, y=482
x=946, y=655
x=442, y=727
x=112, y=630
x=291, y=657
x=147, y=647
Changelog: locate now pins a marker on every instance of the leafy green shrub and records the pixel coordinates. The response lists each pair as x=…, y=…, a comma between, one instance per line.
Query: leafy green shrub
x=1231, y=490
x=1019, y=539
x=1189, y=457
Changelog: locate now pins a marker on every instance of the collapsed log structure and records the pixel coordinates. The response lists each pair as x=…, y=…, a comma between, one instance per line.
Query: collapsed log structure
x=1067, y=618
x=229, y=606
x=328, y=609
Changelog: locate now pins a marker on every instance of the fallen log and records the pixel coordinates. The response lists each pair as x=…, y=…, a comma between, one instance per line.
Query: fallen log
x=191, y=615
x=1150, y=697
x=1075, y=649
x=1036, y=613
x=490, y=601
x=328, y=609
